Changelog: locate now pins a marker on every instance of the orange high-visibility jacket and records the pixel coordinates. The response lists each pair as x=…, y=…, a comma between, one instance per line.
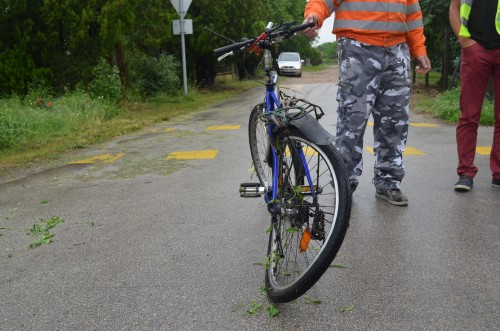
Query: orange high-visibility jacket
x=375, y=22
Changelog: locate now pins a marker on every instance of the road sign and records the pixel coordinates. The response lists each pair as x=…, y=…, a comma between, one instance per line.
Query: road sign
x=183, y=27
x=188, y=26
x=178, y=4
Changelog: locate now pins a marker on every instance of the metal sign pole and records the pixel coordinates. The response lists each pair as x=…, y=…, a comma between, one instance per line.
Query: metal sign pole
x=184, y=74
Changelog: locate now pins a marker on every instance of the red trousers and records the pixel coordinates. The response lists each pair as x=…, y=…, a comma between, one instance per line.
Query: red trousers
x=478, y=64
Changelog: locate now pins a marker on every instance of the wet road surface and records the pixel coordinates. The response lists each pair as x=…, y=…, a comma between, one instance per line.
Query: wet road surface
x=154, y=241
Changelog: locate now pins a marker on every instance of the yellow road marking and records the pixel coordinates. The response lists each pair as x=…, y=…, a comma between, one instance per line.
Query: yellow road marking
x=193, y=155
x=413, y=151
x=408, y=151
x=164, y=130
x=307, y=151
x=223, y=127
x=425, y=125
x=104, y=158
x=483, y=150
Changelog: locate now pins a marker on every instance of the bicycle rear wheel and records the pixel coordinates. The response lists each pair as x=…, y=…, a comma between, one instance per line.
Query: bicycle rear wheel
x=307, y=233
x=260, y=148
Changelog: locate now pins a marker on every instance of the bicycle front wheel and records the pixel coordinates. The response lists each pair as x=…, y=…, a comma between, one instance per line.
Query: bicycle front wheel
x=307, y=232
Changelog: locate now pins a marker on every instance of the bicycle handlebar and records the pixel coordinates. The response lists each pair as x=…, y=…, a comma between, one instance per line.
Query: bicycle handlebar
x=285, y=32
x=233, y=47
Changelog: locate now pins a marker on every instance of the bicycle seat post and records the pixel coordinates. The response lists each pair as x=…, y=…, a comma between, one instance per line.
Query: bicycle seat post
x=271, y=73
x=268, y=64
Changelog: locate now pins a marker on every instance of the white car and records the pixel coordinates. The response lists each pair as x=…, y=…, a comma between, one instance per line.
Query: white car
x=290, y=63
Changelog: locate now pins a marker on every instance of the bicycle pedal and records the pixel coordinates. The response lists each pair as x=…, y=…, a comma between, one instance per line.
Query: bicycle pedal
x=251, y=190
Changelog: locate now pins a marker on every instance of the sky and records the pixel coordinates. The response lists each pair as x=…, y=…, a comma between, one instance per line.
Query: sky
x=325, y=34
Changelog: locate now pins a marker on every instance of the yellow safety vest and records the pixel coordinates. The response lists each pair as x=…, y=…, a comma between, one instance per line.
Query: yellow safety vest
x=465, y=9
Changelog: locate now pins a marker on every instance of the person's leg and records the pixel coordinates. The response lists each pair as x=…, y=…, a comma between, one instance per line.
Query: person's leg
x=475, y=71
x=495, y=148
x=358, y=85
x=391, y=116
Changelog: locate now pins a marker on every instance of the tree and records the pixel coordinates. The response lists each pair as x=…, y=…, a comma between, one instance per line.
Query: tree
x=290, y=11
x=328, y=50
x=58, y=43
x=442, y=47
x=245, y=21
x=19, y=21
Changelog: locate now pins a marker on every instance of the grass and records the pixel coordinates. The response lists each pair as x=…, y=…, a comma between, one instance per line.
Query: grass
x=444, y=104
x=40, y=127
x=314, y=68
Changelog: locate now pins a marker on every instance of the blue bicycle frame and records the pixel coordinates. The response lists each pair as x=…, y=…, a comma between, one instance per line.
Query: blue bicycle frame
x=272, y=102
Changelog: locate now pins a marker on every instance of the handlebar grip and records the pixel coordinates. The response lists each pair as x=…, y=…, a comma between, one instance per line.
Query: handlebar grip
x=287, y=33
x=227, y=49
x=302, y=27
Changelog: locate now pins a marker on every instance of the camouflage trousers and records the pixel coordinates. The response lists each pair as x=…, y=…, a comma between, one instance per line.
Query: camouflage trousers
x=373, y=80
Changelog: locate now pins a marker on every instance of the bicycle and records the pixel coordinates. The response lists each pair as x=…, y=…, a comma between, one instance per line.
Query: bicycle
x=301, y=177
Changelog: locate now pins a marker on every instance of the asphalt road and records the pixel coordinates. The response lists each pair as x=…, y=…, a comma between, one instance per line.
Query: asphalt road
x=153, y=242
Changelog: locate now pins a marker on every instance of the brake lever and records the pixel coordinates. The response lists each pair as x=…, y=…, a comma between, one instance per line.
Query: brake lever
x=220, y=58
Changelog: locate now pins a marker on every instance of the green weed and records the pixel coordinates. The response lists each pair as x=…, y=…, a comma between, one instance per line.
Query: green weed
x=40, y=232
x=273, y=311
x=311, y=300
x=254, y=307
x=266, y=264
x=292, y=230
x=344, y=309
x=269, y=229
x=337, y=266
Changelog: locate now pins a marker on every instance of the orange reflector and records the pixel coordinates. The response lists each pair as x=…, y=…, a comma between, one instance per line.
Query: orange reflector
x=304, y=241
x=307, y=188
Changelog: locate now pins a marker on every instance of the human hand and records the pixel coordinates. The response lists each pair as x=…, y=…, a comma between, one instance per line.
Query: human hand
x=424, y=65
x=311, y=33
x=465, y=42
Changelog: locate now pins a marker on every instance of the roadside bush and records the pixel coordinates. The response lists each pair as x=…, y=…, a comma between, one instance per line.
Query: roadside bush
x=106, y=83
x=152, y=75
x=315, y=57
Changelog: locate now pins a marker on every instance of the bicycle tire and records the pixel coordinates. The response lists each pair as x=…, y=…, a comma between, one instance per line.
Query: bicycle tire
x=289, y=272
x=259, y=145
